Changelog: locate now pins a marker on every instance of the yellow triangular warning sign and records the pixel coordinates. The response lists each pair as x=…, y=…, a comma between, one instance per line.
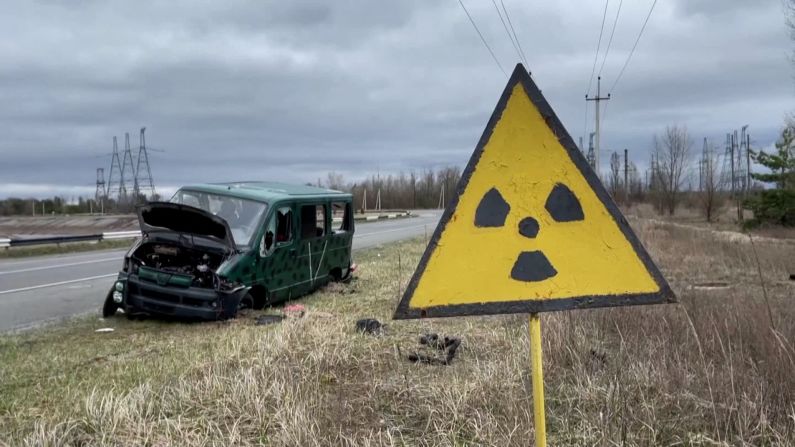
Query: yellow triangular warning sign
x=531, y=228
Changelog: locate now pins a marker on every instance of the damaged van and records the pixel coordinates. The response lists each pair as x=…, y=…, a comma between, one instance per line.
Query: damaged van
x=215, y=249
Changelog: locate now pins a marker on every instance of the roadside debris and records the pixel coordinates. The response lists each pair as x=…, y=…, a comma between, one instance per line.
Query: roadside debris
x=294, y=311
x=268, y=319
x=448, y=345
x=370, y=326
x=713, y=285
x=105, y=329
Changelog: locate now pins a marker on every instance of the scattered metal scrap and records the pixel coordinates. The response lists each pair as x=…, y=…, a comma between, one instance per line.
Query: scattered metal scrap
x=448, y=345
x=294, y=311
x=268, y=319
x=370, y=326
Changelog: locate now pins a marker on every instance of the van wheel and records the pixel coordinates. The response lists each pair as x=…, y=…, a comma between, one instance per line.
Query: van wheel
x=259, y=296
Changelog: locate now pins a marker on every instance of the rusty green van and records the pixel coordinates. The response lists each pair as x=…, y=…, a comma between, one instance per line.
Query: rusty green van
x=214, y=249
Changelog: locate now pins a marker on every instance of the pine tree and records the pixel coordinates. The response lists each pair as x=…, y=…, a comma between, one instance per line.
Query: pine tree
x=776, y=206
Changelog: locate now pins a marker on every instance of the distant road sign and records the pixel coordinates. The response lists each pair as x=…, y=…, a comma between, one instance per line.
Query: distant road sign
x=531, y=228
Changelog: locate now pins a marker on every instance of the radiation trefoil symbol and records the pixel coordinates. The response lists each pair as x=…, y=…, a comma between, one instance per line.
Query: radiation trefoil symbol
x=530, y=228
x=561, y=204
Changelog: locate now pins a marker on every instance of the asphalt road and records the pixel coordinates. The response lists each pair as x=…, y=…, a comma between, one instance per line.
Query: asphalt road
x=41, y=289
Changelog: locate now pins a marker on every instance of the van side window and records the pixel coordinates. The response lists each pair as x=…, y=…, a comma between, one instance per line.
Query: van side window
x=278, y=232
x=341, y=216
x=313, y=221
x=284, y=225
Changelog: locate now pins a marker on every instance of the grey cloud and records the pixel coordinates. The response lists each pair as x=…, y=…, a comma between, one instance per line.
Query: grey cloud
x=291, y=90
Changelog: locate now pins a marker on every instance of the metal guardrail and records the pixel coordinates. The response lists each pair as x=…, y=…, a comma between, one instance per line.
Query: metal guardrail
x=114, y=235
x=121, y=235
x=6, y=242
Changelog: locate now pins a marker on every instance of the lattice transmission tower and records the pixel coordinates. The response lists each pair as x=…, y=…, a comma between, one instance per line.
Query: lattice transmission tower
x=591, y=156
x=100, y=193
x=143, y=173
x=113, y=190
x=127, y=183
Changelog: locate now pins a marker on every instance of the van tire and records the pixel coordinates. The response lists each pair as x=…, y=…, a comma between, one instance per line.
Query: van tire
x=259, y=297
x=247, y=302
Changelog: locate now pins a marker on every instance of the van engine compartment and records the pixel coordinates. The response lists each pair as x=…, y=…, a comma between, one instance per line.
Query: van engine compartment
x=201, y=264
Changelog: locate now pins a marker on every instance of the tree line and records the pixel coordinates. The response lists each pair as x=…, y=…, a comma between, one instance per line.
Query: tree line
x=675, y=173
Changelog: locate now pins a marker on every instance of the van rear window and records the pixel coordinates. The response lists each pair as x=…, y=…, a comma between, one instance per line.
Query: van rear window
x=313, y=221
x=341, y=216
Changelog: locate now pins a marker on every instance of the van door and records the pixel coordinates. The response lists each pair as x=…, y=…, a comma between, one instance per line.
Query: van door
x=341, y=239
x=279, y=263
x=314, y=245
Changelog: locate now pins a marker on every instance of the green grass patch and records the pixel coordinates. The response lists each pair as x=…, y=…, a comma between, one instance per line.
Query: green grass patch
x=706, y=372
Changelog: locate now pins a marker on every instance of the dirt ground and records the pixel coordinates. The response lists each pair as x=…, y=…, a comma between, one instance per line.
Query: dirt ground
x=28, y=226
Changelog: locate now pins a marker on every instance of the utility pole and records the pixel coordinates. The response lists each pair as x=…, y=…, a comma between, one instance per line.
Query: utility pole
x=598, y=98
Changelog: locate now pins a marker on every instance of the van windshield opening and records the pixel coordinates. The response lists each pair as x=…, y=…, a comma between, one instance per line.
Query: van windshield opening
x=242, y=216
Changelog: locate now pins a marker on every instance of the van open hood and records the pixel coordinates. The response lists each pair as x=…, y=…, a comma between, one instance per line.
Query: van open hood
x=173, y=217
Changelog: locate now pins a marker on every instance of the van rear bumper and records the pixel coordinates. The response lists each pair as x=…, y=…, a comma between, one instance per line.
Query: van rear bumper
x=145, y=297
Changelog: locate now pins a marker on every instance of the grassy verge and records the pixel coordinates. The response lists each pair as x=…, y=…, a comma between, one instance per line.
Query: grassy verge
x=53, y=249
x=708, y=371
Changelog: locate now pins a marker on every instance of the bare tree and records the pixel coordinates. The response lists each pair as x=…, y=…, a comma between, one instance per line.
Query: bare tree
x=672, y=151
x=710, y=175
x=615, y=175
x=335, y=181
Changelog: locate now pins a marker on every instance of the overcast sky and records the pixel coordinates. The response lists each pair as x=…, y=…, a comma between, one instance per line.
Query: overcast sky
x=290, y=90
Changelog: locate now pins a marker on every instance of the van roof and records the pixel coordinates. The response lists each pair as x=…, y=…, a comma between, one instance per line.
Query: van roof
x=266, y=191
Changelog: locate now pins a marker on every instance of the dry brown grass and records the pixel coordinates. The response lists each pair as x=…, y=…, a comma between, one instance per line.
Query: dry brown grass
x=708, y=371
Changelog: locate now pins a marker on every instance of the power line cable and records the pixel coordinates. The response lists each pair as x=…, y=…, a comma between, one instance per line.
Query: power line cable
x=598, y=45
x=610, y=41
x=621, y=73
x=515, y=37
x=505, y=27
x=482, y=39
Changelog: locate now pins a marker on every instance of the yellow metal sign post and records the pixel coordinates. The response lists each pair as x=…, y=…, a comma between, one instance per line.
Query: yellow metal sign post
x=530, y=229
x=537, y=370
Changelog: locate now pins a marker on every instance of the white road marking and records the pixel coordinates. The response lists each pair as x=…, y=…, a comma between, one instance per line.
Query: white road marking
x=69, y=264
x=90, y=278
x=64, y=256
x=59, y=283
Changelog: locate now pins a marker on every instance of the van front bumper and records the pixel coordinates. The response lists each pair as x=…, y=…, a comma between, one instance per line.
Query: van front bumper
x=145, y=297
